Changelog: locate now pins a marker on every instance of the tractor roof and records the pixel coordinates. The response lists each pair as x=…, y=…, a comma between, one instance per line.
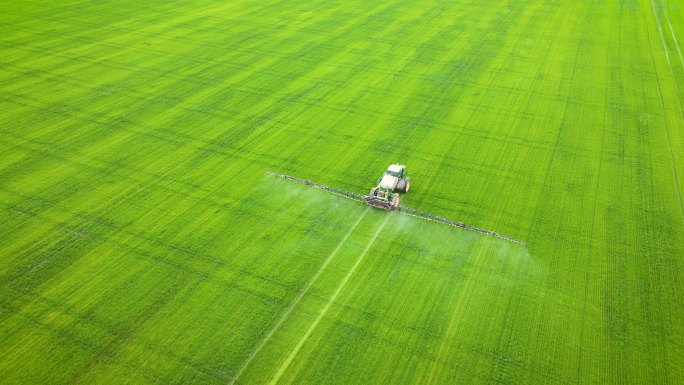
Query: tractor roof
x=395, y=168
x=388, y=181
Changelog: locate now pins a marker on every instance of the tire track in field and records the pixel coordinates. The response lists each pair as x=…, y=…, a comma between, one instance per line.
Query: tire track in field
x=323, y=312
x=549, y=174
x=659, y=24
x=587, y=267
x=674, y=38
x=294, y=303
x=662, y=108
x=660, y=32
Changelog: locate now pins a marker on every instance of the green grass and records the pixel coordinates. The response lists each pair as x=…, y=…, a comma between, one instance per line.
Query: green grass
x=142, y=241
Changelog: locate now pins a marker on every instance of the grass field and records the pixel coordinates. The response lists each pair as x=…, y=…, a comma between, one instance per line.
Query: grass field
x=143, y=243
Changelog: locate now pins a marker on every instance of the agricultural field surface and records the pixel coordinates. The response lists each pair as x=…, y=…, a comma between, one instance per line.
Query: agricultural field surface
x=142, y=240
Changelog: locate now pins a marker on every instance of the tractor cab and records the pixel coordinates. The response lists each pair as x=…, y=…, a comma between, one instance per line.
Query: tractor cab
x=384, y=195
x=396, y=170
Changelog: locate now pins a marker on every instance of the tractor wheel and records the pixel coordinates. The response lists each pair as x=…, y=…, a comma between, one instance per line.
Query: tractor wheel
x=373, y=191
x=395, y=200
x=407, y=185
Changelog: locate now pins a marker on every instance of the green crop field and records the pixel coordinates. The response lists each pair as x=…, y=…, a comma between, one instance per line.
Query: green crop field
x=143, y=242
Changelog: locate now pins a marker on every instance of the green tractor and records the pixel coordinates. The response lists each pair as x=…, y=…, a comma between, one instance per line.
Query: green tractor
x=385, y=195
